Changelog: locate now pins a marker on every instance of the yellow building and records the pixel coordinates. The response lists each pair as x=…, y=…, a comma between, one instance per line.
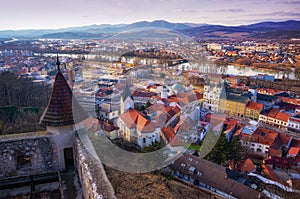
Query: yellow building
x=253, y=110
x=233, y=104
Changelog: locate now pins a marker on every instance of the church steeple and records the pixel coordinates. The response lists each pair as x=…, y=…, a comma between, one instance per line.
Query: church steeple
x=57, y=63
x=63, y=108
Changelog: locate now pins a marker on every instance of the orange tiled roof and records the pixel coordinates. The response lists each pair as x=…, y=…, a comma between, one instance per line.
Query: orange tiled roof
x=273, y=112
x=135, y=119
x=269, y=172
x=275, y=152
x=290, y=101
x=264, y=136
x=255, y=106
x=248, y=166
x=169, y=133
x=294, y=151
x=130, y=117
x=283, y=116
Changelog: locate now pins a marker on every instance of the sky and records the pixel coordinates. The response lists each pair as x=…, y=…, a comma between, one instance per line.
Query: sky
x=49, y=14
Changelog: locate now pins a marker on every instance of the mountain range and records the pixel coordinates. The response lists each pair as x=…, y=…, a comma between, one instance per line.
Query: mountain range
x=161, y=28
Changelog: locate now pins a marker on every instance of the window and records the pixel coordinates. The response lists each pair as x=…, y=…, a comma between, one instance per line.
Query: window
x=23, y=161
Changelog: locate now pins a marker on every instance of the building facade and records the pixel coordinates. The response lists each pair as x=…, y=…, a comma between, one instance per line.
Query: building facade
x=253, y=109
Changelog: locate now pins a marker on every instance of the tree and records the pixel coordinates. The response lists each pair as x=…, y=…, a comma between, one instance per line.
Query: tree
x=148, y=104
x=21, y=103
x=218, y=154
x=236, y=151
x=22, y=92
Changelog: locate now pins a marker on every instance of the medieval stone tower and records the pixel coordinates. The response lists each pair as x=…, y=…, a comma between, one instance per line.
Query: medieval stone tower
x=59, y=118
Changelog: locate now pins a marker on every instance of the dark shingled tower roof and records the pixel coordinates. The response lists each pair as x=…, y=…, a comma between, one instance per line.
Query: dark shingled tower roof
x=63, y=109
x=126, y=92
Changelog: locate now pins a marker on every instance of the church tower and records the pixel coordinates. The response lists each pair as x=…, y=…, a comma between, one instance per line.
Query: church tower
x=59, y=118
x=126, y=99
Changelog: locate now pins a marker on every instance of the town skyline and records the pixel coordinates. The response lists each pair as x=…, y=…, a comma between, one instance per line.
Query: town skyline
x=34, y=14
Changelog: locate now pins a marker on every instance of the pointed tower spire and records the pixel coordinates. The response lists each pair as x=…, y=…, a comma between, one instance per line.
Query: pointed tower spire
x=126, y=93
x=63, y=107
x=57, y=63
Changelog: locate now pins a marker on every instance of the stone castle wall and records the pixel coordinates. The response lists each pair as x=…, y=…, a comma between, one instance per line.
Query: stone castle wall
x=27, y=154
x=94, y=181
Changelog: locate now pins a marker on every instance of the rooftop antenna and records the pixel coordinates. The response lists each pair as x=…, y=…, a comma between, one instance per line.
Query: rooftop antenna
x=57, y=63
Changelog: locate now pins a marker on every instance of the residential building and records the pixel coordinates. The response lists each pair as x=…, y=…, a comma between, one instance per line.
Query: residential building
x=276, y=117
x=211, y=97
x=253, y=109
x=233, y=104
x=267, y=100
x=233, y=80
x=247, y=166
x=259, y=141
x=294, y=124
x=137, y=127
x=108, y=112
x=170, y=139
x=142, y=96
x=210, y=176
x=282, y=119
x=187, y=130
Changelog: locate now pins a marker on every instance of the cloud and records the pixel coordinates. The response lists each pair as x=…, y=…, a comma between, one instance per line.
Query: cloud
x=200, y=17
x=231, y=10
x=293, y=2
x=284, y=14
x=186, y=10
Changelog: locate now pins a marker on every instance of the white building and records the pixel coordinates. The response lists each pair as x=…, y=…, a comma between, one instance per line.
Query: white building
x=294, y=124
x=211, y=97
x=135, y=127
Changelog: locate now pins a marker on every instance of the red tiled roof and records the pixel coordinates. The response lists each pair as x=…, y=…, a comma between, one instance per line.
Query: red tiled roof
x=269, y=172
x=169, y=133
x=155, y=108
x=130, y=117
x=264, y=136
x=144, y=94
x=248, y=166
x=275, y=152
x=107, y=127
x=290, y=101
x=283, y=116
x=294, y=151
x=273, y=112
x=135, y=119
x=176, y=109
x=279, y=162
x=255, y=106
